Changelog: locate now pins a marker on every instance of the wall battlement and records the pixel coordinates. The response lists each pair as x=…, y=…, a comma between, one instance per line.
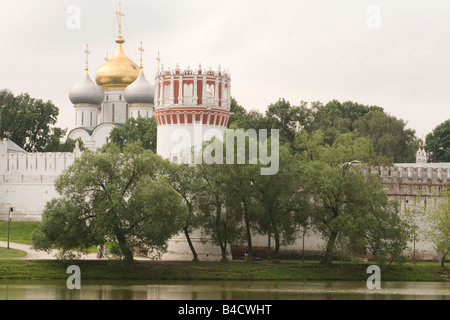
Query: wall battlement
x=410, y=181
x=27, y=181
x=35, y=163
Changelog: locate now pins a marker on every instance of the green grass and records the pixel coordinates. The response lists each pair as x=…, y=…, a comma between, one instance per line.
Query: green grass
x=11, y=253
x=285, y=270
x=19, y=232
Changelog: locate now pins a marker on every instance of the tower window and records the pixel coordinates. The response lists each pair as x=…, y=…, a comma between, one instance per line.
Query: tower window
x=120, y=97
x=113, y=113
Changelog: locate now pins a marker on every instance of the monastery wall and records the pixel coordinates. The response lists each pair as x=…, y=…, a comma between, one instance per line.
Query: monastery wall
x=27, y=181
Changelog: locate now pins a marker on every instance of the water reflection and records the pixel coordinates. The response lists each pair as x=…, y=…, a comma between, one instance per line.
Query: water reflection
x=221, y=290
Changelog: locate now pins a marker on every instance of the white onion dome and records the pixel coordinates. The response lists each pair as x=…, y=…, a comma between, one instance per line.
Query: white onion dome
x=140, y=91
x=86, y=92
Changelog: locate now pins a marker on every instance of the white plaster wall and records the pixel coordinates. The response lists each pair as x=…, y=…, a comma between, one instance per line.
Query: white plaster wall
x=114, y=97
x=136, y=111
x=176, y=140
x=100, y=135
x=178, y=249
x=27, y=182
x=86, y=117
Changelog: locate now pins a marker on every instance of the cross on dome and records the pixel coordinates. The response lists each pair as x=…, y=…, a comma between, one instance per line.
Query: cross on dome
x=159, y=60
x=87, y=57
x=141, y=49
x=120, y=16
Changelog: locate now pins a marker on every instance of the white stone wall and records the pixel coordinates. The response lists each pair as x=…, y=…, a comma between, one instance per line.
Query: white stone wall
x=114, y=107
x=174, y=142
x=27, y=182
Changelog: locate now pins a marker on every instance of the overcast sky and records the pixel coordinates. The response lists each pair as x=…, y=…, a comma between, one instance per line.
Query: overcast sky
x=394, y=54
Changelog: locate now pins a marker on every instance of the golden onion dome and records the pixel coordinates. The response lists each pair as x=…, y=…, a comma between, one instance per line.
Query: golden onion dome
x=119, y=71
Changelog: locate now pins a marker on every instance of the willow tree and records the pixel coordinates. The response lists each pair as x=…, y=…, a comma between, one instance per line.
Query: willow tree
x=348, y=206
x=112, y=195
x=438, y=229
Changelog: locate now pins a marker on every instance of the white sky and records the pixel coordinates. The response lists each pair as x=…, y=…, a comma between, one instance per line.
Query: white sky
x=310, y=50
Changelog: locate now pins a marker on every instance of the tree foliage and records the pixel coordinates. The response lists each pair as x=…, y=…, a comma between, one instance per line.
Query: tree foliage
x=29, y=122
x=347, y=205
x=439, y=226
x=391, y=140
x=437, y=143
x=136, y=129
x=112, y=195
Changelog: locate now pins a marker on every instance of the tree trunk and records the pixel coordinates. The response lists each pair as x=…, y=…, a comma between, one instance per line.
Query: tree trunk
x=327, y=259
x=269, y=256
x=223, y=249
x=277, y=244
x=303, y=247
x=444, y=257
x=248, y=232
x=191, y=246
x=123, y=246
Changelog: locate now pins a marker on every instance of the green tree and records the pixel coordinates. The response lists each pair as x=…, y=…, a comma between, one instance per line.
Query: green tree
x=54, y=143
x=287, y=118
x=218, y=221
x=387, y=234
x=282, y=200
x=236, y=111
x=439, y=226
x=343, y=198
x=136, y=129
x=238, y=186
x=184, y=180
x=112, y=195
x=250, y=120
x=28, y=122
x=392, y=141
x=390, y=137
x=438, y=143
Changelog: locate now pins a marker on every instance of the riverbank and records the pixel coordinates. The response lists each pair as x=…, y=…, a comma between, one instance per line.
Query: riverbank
x=234, y=270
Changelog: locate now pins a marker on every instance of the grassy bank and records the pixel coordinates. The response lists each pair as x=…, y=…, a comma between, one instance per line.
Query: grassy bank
x=236, y=270
x=19, y=232
x=11, y=253
x=285, y=270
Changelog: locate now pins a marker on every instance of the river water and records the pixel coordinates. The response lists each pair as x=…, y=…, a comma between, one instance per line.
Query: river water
x=221, y=290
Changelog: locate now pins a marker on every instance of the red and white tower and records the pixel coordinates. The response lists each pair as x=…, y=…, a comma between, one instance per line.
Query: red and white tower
x=186, y=101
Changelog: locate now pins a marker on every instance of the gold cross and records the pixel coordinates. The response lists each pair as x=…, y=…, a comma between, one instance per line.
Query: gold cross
x=87, y=57
x=120, y=16
x=158, y=59
x=141, y=49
